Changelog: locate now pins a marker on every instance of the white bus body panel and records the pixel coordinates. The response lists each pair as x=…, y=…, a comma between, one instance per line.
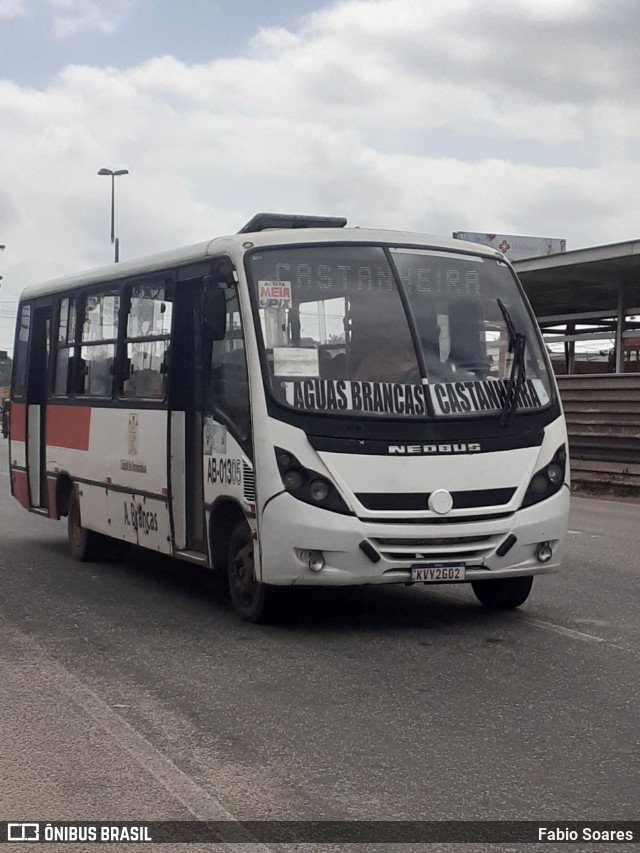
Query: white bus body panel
x=126, y=447
x=120, y=466
x=393, y=474
x=289, y=526
x=346, y=564
x=131, y=517
x=227, y=471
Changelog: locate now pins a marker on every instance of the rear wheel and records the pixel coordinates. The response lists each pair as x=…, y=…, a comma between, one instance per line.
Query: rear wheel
x=503, y=593
x=252, y=600
x=83, y=544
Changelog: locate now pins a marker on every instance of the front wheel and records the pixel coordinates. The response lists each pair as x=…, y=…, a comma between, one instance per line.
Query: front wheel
x=503, y=593
x=253, y=601
x=83, y=544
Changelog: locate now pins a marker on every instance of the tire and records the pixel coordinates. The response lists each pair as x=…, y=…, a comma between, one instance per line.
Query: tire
x=503, y=593
x=84, y=544
x=252, y=600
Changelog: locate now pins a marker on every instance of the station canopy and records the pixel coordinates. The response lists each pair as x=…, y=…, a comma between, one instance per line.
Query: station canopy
x=584, y=281
x=586, y=297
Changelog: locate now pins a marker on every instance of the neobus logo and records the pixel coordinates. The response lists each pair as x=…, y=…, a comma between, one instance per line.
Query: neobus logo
x=424, y=449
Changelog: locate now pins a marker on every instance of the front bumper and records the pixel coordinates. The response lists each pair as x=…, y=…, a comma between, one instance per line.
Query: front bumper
x=289, y=528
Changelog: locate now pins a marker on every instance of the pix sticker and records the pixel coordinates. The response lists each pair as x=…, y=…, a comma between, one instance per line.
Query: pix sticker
x=274, y=294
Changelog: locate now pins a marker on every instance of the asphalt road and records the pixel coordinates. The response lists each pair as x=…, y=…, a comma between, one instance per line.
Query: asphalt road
x=131, y=691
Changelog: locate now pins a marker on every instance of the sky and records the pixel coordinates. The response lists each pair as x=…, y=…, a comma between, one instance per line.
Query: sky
x=505, y=116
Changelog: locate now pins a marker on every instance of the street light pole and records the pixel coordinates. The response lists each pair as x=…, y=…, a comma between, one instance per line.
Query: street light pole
x=114, y=240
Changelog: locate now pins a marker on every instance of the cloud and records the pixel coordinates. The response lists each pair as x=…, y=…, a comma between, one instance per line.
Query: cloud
x=73, y=16
x=13, y=8
x=509, y=117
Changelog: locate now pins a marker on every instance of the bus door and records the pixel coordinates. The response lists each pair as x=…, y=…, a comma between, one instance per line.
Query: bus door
x=227, y=470
x=209, y=397
x=37, y=387
x=185, y=404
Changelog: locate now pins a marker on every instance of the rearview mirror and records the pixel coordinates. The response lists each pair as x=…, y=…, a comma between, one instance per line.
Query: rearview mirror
x=214, y=312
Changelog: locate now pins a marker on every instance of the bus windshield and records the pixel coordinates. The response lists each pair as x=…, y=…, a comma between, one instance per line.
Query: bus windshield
x=367, y=330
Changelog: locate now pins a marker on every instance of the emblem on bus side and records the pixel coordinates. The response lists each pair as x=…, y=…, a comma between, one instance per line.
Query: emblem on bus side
x=133, y=434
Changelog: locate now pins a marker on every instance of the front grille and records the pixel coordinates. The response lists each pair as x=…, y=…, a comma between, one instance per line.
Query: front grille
x=431, y=519
x=425, y=542
x=248, y=483
x=467, y=548
x=412, y=501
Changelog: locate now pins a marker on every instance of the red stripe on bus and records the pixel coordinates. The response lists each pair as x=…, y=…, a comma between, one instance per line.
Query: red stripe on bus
x=20, y=487
x=18, y=422
x=68, y=426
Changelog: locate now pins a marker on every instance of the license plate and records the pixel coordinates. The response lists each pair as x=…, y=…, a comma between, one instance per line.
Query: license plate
x=438, y=572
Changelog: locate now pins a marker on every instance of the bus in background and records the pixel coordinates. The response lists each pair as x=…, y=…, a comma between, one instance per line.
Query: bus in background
x=298, y=404
x=5, y=387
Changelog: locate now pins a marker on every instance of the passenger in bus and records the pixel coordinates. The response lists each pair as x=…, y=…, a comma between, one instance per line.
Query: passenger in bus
x=380, y=348
x=391, y=359
x=164, y=370
x=468, y=350
x=100, y=377
x=333, y=363
x=145, y=383
x=429, y=334
x=78, y=377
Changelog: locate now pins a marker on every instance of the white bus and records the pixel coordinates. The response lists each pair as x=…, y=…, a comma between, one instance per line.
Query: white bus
x=298, y=404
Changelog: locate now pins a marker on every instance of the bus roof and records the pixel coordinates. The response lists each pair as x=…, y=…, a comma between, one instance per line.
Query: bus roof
x=236, y=244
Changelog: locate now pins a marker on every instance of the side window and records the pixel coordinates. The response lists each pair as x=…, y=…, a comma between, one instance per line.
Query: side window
x=98, y=349
x=147, y=342
x=228, y=387
x=65, y=347
x=21, y=351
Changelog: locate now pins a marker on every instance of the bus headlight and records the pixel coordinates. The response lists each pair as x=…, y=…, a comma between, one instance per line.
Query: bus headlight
x=319, y=489
x=292, y=480
x=308, y=486
x=539, y=485
x=548, y=480
x=555, y=474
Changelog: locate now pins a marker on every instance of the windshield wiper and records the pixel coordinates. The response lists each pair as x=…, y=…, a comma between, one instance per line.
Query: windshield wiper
x=517, y=346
